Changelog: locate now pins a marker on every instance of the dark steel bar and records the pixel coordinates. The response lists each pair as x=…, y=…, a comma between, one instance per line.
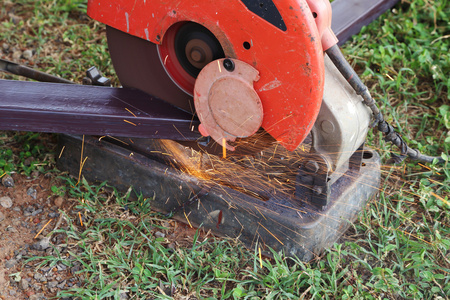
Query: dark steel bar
x=14, y=68
x=91, y=110
x=349, y=16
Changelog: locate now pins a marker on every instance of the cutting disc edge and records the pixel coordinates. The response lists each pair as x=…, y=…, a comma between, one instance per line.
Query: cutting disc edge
x=138, y=65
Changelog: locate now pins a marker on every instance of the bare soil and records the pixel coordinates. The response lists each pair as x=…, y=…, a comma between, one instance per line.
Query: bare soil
x=33, y=205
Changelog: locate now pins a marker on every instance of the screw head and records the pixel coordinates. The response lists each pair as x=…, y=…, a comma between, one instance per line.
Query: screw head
x=312, y=166
x=228, y=64
x=317, y=190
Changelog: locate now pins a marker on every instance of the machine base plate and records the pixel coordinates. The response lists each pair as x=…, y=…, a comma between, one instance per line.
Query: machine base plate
x=276, y=222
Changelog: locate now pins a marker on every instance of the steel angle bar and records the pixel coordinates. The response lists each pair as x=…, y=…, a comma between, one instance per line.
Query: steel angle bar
x=349, y=16
x=91, y=110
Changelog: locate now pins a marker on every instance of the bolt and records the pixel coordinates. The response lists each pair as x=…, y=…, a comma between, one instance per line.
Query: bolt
x=87, y=81
x=228, y=65
x=312, y=166
x=317, y=190
x=327, y=126
x=196, y=55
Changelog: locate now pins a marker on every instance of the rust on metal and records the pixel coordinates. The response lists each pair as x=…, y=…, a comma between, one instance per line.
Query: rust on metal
x=225, y=101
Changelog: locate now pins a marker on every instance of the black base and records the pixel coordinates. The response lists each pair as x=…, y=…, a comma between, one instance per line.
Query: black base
x=277, y=222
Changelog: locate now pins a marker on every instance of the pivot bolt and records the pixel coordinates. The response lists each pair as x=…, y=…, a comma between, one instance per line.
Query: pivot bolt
x=312, y=166
x=228, y=64
x=317, y=190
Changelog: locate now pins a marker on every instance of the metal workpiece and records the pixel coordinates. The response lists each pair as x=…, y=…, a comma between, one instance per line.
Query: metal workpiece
x=91, y=110
x=21, y=70
x=349, y=16
x=264, y=218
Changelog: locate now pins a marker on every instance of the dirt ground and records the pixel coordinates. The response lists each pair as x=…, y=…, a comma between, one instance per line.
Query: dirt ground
x=32, y=207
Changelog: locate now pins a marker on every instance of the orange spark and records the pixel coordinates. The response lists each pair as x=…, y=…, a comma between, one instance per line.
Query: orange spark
x=271, y=233
x=42, y=229
x=260, y=258
x=62, y=150
x=130, y=112
x=190, y=225
x=440, y=198
x=126, y=121
x=82, y=161
x=224, y=148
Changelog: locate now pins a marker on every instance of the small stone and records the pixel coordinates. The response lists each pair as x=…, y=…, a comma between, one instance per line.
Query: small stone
x=24, y=284
x=75, y=269
x=42, y=244
x=40, y=277
x=12, y=292
x=62, y=284
x=32, y=192
x=53, y=215
x=11, y=229
x=27, y=54
x=6, y=202
x=59, y=201
x=52, y=284
x=36, y=212
x=123, y=296
x=10, y=263
x=39, y=296
x=5, y=46
x=2, y=216
x=7, y=181
x=16, y=55
x=159, y=234
x=28, y=210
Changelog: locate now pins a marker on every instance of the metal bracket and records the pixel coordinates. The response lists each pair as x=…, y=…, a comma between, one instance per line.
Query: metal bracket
x=93, y=77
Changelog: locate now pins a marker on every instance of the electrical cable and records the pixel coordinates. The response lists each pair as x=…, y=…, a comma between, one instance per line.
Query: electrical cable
x=390, y=135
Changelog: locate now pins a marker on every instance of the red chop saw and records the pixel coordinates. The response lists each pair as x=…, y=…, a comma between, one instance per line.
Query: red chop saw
x=256, y=76
x=240, y=66
x=246, y=64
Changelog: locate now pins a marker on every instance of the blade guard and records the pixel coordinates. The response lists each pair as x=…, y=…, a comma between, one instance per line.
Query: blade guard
x=287, y=51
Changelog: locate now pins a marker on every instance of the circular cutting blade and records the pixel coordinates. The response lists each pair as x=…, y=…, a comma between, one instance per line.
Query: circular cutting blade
x=167, y=71
x=139, y=66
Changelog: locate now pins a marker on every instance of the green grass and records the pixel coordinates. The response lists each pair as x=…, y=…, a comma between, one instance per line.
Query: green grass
x=397, y=249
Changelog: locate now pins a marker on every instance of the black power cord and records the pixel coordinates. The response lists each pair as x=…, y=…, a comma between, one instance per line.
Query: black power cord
x=390, y=135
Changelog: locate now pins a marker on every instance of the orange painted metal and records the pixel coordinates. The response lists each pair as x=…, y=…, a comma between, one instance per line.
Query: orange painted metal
x=290, y=62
